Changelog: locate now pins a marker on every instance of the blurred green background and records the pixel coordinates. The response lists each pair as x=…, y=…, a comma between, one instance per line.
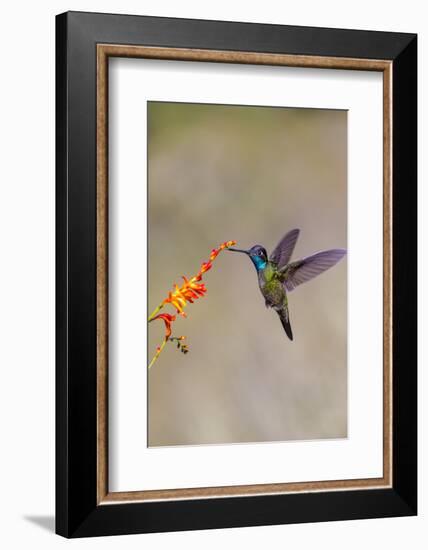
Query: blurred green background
x=220, y=172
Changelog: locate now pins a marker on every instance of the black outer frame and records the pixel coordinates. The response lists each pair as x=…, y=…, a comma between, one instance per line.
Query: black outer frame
x=77, y=513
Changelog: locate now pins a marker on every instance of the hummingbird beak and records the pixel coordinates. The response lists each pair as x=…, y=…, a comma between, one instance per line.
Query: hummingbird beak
x=238, y=250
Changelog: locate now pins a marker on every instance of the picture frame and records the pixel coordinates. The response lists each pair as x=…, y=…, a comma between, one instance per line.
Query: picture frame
x=84, y=44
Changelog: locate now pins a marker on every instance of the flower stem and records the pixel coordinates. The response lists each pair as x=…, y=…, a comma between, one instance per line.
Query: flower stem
x=155, y=312
x=158, y=352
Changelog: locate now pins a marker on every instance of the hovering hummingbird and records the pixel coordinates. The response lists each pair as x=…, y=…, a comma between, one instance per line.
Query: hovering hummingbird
x=277, y=276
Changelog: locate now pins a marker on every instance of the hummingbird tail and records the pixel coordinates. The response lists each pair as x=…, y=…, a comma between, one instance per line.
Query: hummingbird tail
x=285, y=321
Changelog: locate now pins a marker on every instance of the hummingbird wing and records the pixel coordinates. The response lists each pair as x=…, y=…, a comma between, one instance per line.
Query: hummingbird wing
x=284, y=249
x=306, y=269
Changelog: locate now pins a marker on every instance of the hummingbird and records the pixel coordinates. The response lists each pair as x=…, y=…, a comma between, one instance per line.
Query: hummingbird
x=277, y=275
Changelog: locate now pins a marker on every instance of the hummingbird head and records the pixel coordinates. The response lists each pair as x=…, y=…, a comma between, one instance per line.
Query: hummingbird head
x=257, y=254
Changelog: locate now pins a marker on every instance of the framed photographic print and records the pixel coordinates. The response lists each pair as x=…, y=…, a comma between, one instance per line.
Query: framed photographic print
x=236, y=274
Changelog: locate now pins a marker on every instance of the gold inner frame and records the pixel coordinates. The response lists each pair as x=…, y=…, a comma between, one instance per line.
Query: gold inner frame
x=104, y=51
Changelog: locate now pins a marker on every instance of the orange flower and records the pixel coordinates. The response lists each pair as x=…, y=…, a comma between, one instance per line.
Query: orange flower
x=192, y=289
x=206, y=266
x=167, y=319
x=216, y=251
